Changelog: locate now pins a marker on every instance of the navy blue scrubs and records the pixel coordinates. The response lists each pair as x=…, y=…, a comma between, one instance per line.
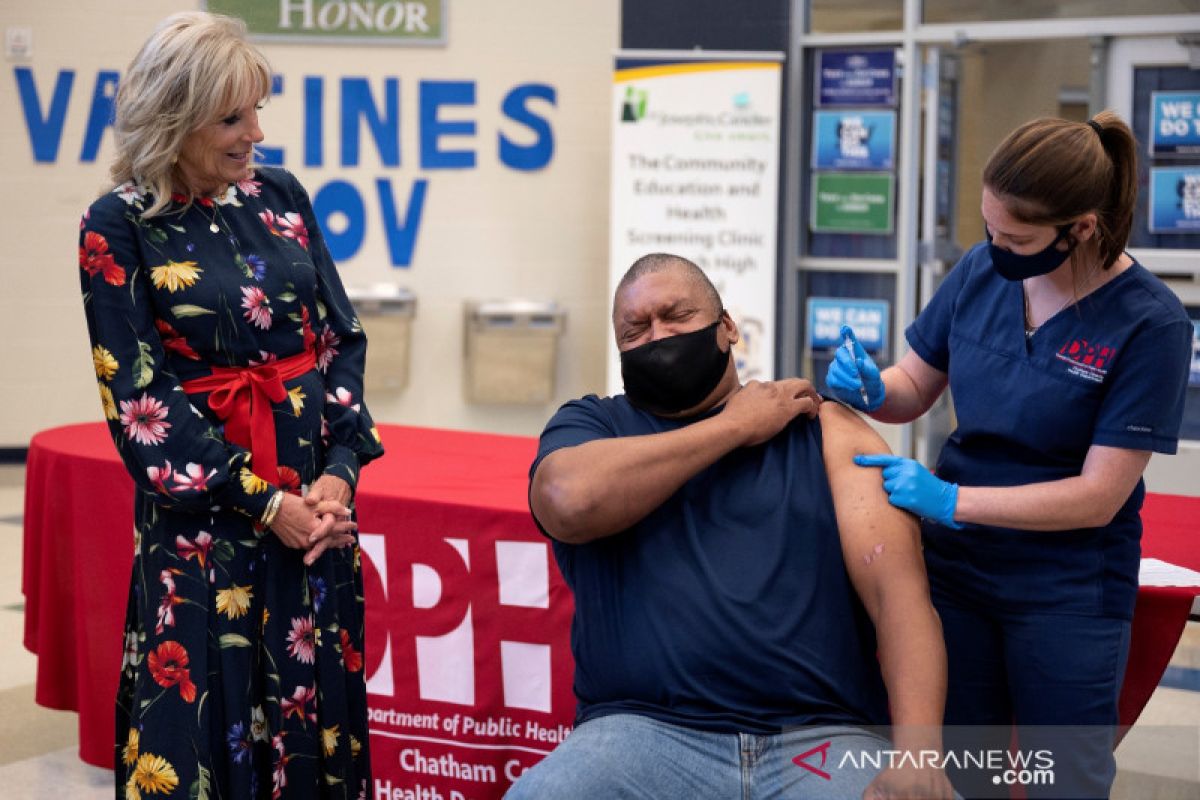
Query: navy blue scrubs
x=1037, y=623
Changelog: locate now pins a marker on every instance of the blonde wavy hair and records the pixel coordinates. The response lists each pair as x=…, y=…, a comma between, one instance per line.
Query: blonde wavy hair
x=193, y=70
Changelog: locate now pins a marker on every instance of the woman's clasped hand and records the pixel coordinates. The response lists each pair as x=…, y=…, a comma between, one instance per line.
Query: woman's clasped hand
x=318, y=521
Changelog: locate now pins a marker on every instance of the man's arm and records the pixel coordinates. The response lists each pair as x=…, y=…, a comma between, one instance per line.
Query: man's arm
x=881, y=546
x=602, y=487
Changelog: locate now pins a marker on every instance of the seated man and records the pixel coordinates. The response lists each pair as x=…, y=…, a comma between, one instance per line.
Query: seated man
x=722, y=632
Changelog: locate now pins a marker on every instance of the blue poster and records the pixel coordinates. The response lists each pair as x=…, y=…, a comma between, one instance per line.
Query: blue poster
x=1194, y=375
x=854, y=140
x=868, y=318
x=1175, y=199
x=856, y=78
x=1175, y=124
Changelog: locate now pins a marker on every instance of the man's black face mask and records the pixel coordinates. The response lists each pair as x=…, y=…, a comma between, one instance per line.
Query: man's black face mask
x=675, y=373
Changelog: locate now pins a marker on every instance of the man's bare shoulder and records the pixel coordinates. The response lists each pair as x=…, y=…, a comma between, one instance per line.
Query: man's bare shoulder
x=845, y=432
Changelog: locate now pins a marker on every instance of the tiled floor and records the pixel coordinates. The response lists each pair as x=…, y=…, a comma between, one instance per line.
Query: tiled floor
x=39, y=757
x=1159, y=759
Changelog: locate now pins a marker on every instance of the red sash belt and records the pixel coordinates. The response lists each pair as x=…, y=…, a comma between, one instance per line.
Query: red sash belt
x=241, y=397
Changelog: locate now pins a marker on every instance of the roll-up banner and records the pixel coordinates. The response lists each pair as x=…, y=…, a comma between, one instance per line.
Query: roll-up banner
x=695, y=173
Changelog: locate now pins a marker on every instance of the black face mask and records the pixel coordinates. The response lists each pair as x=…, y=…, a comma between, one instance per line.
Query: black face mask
x=1015, y=267
x=676, y=373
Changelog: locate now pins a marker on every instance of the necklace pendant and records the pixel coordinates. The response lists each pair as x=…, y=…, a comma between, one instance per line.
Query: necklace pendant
x=213, y=227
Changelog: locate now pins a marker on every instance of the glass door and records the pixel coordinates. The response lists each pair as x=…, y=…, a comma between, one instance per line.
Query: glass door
x=939, y=250
x=871, y=239
x=1154, y=83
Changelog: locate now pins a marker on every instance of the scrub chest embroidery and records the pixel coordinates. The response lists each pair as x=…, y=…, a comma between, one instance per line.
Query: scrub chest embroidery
x=1086, y=359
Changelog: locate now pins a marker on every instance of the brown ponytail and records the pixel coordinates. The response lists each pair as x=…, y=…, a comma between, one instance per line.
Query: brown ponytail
x=1116, y=216
x=1052, y=171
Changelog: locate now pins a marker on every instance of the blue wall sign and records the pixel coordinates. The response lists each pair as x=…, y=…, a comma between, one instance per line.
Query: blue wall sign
x=868, y=318
x=1194, y=374
x=1175, y=124
x=854, y=140
x=856, y=78
x=368, y=119
x=1175, y=199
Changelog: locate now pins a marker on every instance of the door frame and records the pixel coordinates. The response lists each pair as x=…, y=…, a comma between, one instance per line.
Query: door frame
x=1123, y=54
x=910, y=40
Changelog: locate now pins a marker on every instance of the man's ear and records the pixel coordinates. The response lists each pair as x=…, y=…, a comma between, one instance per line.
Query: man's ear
x=732, y=335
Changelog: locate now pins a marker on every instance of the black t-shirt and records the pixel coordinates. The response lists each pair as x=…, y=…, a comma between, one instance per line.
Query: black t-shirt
x=728, y=608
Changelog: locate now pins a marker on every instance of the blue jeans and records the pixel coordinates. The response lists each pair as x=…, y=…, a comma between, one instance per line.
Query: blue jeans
x=636, y=757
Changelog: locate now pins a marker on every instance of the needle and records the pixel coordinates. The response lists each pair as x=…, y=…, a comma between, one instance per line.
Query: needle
x=862, y=390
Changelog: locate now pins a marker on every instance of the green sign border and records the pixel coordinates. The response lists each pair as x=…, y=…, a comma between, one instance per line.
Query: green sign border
x=261, y=18
x=872, y=178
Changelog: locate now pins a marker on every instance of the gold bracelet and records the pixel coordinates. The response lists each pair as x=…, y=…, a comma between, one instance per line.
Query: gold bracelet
x=272, y=509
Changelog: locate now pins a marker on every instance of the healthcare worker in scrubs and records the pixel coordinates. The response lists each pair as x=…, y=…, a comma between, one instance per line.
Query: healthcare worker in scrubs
x=1067, y=362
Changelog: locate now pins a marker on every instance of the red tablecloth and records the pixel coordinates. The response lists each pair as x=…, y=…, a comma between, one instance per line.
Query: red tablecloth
x=1170, y=529
x=468, y=660
x=468, y=653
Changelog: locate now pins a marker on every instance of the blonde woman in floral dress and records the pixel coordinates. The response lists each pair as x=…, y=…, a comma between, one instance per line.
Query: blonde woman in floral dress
x=230, y=368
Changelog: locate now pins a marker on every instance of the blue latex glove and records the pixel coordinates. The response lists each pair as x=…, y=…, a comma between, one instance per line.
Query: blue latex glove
x=854, y=380
x=912, y=487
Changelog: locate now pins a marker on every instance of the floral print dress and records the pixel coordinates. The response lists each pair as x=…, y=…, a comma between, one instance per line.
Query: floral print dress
x=243, y=669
